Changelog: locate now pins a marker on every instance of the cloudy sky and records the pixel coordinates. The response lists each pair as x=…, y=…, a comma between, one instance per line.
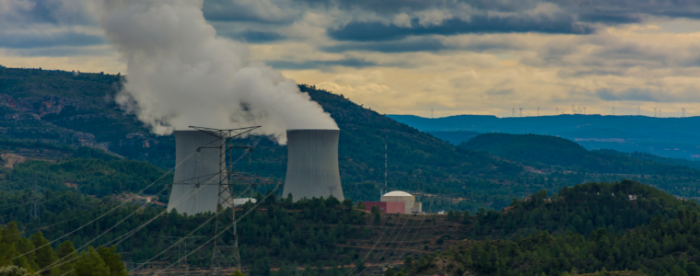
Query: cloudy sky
x=411, y=56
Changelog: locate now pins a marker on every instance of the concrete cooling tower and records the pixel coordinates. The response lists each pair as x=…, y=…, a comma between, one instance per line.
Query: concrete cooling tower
x=312, y=164
x=196, y=184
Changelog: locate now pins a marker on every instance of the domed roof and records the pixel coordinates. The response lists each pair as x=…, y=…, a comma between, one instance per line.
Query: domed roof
x=397, y=193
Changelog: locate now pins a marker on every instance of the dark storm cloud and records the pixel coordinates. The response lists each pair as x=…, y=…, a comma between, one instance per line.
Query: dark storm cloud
x=371, y=31
x=40, y=40
x=315, y=64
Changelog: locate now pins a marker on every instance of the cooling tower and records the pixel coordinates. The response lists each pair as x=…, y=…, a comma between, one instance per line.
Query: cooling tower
x=312, y=164
x=196, y=184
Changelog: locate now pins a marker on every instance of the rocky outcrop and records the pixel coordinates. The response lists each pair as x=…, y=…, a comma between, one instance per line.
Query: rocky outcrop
x=40, y=106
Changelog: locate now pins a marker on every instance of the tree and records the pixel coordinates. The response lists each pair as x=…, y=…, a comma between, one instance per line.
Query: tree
x=692, y=269
x=112, y=260
x=238, y=273
x=66, y=252
x=26, y=249
x=261, y=267
x=45, y=256
x=13, y=271
x=91, y=264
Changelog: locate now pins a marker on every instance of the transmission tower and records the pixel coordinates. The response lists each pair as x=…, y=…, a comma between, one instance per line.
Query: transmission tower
x=181, y=254
x=225, y=254
x=34, y=211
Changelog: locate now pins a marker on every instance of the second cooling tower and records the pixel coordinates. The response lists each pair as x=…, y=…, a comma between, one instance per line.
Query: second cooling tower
x=312, y=164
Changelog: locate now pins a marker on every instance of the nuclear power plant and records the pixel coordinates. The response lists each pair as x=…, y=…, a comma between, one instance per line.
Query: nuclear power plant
x=197, y=176
x=312, y=169
x=312, y=164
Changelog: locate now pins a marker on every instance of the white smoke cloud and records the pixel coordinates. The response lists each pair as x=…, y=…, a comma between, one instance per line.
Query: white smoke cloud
x=179, y=73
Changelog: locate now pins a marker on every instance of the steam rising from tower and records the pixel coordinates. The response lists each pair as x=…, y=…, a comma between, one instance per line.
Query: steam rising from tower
x=312, y=164
x=179, y=73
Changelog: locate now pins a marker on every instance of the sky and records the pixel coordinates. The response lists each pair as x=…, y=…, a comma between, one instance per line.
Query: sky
x=490, y=57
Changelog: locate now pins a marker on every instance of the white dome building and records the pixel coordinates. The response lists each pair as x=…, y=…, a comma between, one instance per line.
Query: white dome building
x=408, y=199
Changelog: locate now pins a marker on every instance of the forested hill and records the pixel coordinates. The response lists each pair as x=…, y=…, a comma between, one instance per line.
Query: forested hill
x=590, y=228
x=64, y=110
x=545, y=150
x=76, y=109
x=667, y=137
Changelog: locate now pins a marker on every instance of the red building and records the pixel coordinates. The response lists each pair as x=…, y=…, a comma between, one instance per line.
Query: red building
x=387, y=207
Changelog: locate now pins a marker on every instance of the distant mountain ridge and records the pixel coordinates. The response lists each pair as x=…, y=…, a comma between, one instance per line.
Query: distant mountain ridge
x=667, y=137
x=555, y=151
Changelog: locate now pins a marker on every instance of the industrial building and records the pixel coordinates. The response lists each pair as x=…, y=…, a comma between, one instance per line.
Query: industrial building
x=242, y=201
x=196, y=183
x=396, y=202
x=312, y=164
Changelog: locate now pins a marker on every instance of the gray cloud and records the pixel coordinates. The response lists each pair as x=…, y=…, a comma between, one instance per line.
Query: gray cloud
x=499, y=92
x=411, y=45
x=648, y=95
x=25, y=40
x=60, y=51
x=423, y=44
x=58, y=12
x=264, y=11
x=259, y=37
x=568, y=73
x=315, y=64
x=375, y=31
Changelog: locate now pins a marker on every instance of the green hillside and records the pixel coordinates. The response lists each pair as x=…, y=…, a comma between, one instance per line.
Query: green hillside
x=555, y=151
x=50, y=114
x=314, y=234
x=624, y=236
x=56, y=107
x=667, y=137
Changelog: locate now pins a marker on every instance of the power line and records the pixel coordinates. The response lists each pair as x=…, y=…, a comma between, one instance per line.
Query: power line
x=105, y=214
x=217, y=235
x=123, y=237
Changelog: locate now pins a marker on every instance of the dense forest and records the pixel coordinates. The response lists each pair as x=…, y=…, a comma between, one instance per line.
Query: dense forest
x=330, y=237
x=35, y=255
x=584, y=229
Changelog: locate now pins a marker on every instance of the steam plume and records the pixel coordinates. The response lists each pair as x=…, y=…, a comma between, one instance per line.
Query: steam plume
x=179, y=73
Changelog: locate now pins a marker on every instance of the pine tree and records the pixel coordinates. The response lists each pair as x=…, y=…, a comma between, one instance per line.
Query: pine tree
x=45, y=256
x=692, y=269
x=28, y=256
x=66, y=252
x=112, y=260
x=91, y=264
